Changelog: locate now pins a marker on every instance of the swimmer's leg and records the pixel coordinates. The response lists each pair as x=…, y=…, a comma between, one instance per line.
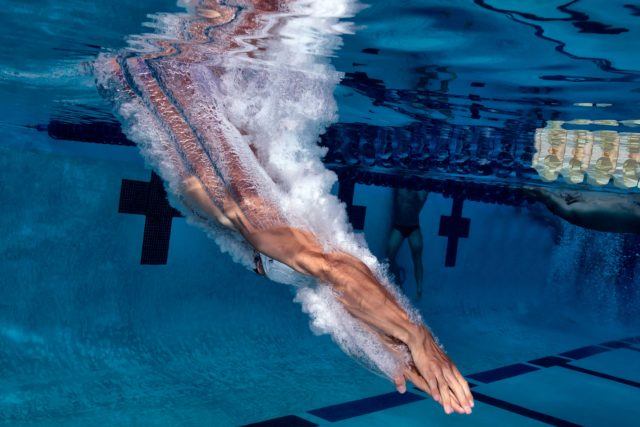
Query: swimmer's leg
x=211, y=144
x=416, y=246
x=185, y=152
x=198, y=200
x=393, y=245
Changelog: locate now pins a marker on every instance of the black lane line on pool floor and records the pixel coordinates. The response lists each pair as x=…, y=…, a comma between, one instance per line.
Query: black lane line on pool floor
x=356, y=408
x=620, y=345
x=381, y=402
x=286, y=421
x=583, y=352
x=502, y=373
x=522, y=411
x=562, y=362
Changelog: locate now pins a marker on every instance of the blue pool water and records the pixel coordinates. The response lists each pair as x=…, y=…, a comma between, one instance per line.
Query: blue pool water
x=90, y=336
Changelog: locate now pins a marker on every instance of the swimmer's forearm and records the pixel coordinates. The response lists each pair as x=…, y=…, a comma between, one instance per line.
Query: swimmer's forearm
x=368, y=300
x=556, y=204
x=362, y=295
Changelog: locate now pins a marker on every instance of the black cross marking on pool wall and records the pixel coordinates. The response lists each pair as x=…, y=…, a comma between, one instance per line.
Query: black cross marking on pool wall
x=150, y=199
x=355, y=213
x=454, y=227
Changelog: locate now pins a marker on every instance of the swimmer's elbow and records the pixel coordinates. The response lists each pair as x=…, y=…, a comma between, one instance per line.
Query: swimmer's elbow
x=314, y=263
x=334, y=268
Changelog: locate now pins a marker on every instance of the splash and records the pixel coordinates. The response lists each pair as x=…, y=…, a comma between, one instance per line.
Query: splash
x=261, y=72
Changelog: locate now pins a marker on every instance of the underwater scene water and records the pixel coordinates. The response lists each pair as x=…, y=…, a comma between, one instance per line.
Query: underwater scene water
x=481, y=157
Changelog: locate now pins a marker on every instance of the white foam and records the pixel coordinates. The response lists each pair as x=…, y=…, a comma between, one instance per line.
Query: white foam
x=281, y=96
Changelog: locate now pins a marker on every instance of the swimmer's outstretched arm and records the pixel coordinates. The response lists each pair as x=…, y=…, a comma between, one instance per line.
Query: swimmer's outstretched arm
x=370, y=302
x=362, y=295
x=359, y=292
x=595, y=211
x=554, y=202
x=358, y=289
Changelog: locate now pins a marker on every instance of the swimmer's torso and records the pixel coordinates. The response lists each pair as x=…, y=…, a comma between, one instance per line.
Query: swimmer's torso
x=407, y=206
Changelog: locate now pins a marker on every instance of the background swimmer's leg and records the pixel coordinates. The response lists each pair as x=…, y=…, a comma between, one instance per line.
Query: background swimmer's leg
x=416, y=245
x=393, y=245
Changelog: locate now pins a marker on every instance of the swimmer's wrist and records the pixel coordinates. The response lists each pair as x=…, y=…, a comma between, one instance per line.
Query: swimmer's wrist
x=416, y=335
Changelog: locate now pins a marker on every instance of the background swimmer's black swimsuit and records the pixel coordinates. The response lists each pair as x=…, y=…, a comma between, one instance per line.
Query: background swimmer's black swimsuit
x=406, y=230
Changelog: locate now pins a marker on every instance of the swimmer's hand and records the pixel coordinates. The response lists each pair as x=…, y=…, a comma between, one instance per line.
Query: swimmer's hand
x=572, y=197
x=365, y=298
x=431, y=370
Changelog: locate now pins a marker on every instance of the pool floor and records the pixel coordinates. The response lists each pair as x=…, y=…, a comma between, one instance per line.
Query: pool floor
x=592, y=385
x=89, y=335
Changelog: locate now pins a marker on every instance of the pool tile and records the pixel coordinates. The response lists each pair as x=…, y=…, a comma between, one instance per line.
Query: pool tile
x=615, y=344
x=522, y=411
x=633, y=340
x=622, y=363
x=286, y=421
x=150, y=199
x=571, y=396
x=367, y=405
x=582, y=352
x=502, y=373
x=549, y=361
x=428, y=413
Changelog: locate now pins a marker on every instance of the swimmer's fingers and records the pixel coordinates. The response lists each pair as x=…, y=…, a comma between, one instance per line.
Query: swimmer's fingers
x=450, y=402
x=457, y=408
x=573, y=197
x=435, y=391
x=400, y=383
x=428, y=386
x=427, y=374
x=465, y=386
x=421, y=383
x=457, y=391
x=431, y=363
x=445, y=394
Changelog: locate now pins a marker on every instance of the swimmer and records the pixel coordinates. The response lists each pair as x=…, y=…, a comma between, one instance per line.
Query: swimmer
x=613, y=213
x=284, y=252
x=407, y=205
x=220, y=178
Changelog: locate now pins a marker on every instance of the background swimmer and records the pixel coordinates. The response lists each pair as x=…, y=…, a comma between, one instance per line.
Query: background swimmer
x=407, y=205
x=594, y=210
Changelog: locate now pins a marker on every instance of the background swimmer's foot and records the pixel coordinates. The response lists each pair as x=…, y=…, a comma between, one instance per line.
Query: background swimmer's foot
x=419, y=292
